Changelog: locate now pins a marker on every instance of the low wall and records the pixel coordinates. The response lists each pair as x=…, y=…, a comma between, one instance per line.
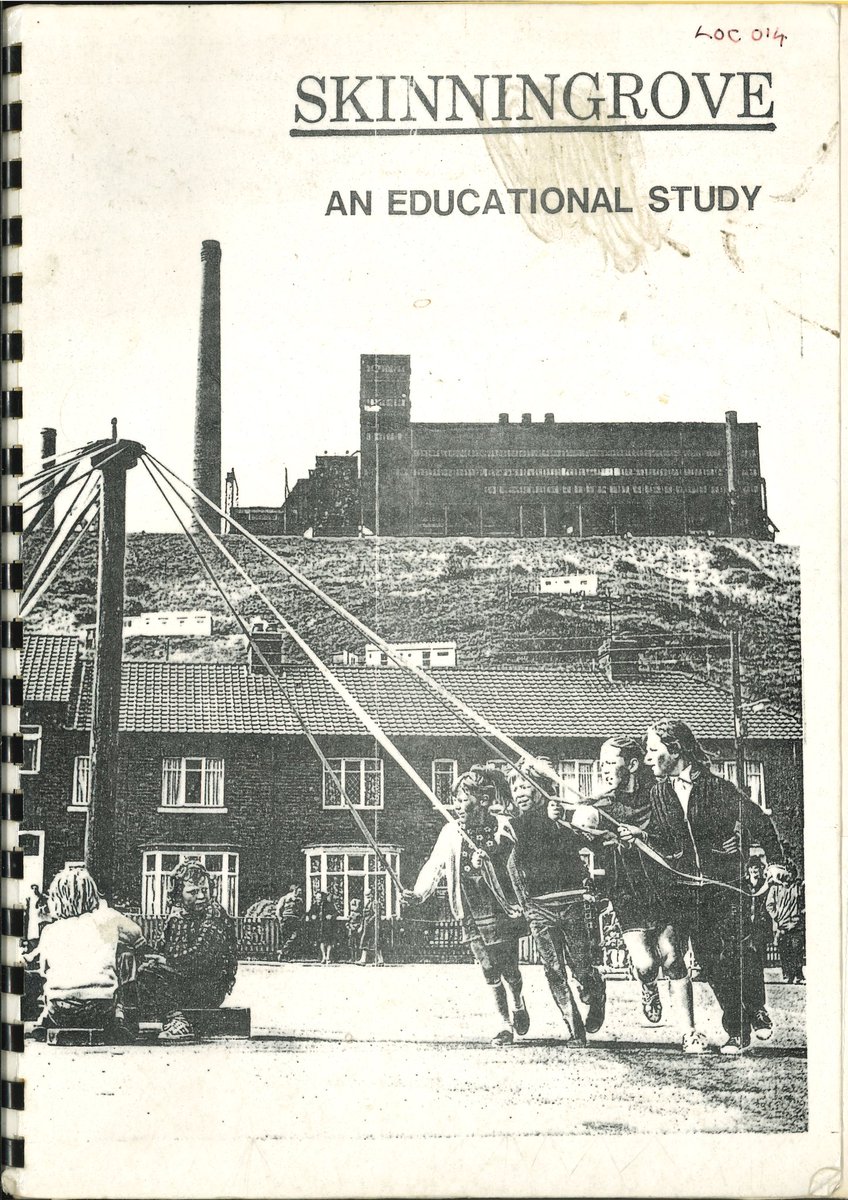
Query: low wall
x=400, y=941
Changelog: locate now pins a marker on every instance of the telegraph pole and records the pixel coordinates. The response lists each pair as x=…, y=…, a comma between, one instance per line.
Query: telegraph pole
x=376, y=897
x=376, y=409
x=738, y=718
x=113, y=462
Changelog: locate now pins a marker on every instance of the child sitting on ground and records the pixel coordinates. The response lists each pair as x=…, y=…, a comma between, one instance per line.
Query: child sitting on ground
x=77, y=956
x=197, y=963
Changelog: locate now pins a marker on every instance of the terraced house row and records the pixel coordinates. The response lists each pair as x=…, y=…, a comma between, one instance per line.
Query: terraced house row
x=214, y=763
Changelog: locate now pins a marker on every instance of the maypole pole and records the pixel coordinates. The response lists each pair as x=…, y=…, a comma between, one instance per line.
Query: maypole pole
x=113, y=462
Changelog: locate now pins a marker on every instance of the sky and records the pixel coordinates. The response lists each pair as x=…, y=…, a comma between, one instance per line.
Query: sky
x=151, y=129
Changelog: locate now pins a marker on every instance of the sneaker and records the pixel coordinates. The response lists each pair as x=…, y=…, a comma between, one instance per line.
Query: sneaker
x=597, y=1011
x=694, y=1042
x=521, y=1020
x=761, y=1025
x=502, y=1038
x=735, y=1045
x=176, y=1029
x=651, y=1003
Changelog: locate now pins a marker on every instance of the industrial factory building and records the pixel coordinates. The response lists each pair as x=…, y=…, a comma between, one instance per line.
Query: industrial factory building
x=507, y=478
x=524, y=478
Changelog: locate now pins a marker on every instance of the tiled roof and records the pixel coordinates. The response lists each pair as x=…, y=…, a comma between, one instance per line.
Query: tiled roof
x=227, y=698
x=47, y=665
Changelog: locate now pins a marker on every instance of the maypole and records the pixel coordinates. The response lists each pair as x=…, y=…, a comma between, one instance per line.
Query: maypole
x=113, y=462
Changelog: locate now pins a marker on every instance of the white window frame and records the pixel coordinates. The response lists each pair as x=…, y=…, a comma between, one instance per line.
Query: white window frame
x=344, y=766
x=81, y=784
x=211, y=780
x=755, y=777
x=593, y=872
x=154, y=880
x=580, y=773
x=31, y=734
x=317, y=872
x=434, y=773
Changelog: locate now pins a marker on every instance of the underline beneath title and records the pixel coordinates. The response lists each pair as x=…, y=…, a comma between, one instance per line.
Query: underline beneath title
x=759, y=127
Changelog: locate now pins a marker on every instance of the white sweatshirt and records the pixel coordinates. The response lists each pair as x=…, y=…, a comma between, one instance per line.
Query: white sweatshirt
x=78, y=954
x=444, y=862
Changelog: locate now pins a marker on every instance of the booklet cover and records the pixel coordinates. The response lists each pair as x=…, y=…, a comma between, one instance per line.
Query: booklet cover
x=428, y=748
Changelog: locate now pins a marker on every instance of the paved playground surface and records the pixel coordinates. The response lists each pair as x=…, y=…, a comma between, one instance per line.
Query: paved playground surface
x=358, y=1057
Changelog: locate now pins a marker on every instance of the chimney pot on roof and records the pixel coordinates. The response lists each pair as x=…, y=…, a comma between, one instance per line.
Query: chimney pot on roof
x=503, y=418
x=619, y=660
x=549, y=418
x=268, y=643
x=526, y=418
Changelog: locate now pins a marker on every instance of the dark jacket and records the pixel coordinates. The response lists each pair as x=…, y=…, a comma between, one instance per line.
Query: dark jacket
x=546, y=857
x=629, y=876
x=201, y=945
x=693, y=843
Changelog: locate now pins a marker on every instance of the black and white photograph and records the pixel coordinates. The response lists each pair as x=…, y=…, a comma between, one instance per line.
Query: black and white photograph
x=428, y=751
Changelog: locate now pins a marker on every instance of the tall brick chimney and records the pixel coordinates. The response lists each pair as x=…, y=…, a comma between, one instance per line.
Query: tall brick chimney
x=207, y=412
x=48, y=459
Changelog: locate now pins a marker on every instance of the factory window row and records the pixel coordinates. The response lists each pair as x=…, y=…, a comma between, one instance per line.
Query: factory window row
x=613, y=489
x=385, y=401
x=574, y=471
x=548, y=452
x=691, y=452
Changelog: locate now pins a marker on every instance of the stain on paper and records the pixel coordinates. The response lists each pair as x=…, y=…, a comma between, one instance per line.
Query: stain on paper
x=583, y=162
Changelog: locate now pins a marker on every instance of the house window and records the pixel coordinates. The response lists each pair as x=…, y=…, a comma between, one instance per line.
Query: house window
x=361, y=778
x=80, y=790
x=445, y=772
x=348, y=872
x=158, y=865
x=579, y=775
x=755, y=779
x=193, y=783
x=31, y=737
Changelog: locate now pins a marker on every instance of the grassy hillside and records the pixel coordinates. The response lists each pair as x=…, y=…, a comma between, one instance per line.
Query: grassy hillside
x=677, y=597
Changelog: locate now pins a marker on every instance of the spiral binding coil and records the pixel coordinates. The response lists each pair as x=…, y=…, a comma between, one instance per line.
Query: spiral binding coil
x=11, y=629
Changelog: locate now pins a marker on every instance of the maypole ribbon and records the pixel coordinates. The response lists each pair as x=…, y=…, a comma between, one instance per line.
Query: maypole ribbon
x=448, y=698
x=350, y=700
x=363, y=828
x=422, y=675
x=649, y=852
